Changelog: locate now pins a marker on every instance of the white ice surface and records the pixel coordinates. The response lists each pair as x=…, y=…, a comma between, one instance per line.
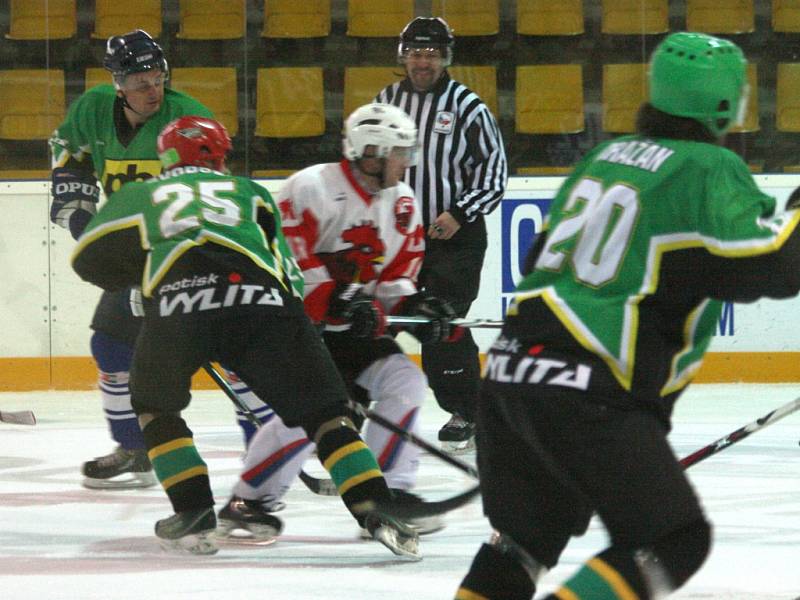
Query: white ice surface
x=61, y=541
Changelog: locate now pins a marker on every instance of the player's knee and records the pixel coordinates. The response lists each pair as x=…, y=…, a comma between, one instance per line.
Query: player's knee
x=111, y=355
x=682, y=552
x=400, y=378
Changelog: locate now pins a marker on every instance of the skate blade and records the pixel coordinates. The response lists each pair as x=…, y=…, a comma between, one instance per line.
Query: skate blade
x=197, y=544
x=142, y=480
x=246, y=533
x=426, y=525
x=458, y=448
x=408, y=548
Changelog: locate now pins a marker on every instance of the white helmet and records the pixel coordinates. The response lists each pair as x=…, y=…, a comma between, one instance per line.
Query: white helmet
x=381, y=125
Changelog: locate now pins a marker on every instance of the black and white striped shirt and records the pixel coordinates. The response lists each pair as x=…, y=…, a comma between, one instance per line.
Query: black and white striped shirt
x=462, y=164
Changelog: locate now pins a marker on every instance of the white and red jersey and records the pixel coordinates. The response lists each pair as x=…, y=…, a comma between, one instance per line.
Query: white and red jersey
x=340, y=234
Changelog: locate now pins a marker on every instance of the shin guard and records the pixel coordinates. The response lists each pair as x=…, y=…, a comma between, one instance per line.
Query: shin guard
x=178, y=466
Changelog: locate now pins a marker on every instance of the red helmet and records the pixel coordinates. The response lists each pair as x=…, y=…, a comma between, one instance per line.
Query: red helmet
x=194, y=141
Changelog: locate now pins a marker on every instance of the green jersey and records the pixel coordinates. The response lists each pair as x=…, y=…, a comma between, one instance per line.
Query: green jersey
x=642, y=244
x=147, y=227
x=88, y=139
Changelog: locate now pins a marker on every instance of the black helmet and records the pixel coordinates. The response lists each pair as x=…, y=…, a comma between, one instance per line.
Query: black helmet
x=133, y=52
x=427, y=32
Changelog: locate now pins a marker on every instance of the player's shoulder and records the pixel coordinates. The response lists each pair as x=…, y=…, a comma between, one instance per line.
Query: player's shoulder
x=100, y=94
x=404, y=190
x=183, y=103
x=314, y=174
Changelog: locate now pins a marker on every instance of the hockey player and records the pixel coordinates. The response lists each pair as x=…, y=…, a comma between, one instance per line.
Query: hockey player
x=220, y=283
x=642, y=244
x=107, y=139
x=357, y=233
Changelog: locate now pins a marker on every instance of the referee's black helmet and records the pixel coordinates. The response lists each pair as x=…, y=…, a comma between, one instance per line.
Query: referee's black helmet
x=427, y=32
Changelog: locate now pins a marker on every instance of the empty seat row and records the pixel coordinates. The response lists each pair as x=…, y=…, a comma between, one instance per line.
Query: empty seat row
x=211, y=19
x=290, y=101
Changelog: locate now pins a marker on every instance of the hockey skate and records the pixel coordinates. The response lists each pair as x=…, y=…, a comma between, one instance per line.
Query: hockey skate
x=189, y=532
x=121, y=470
x=249, y=521
x=396, y=536
x=457, y=435
x=422, y=525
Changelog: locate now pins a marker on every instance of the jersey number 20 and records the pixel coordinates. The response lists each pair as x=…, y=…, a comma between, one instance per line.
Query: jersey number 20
x=602, y=222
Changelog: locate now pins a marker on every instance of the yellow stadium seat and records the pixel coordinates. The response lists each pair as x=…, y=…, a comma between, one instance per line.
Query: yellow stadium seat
x=96, y=76
x=786, y=16
x=624, y=90
x=42, y=19
x=545, y=17
x=266, y=173
x=549, y=99
x=720, y=16
x=290, y=102
x=293, y=19
x=791, y=169
x=32, y=103
x=787, y=104
x=480, y=79
x=751, y=116
x=544, y=171
x=213, y=86
x=378, y=18
x=212, y=19
x=635, y=16
x=25, y=174
x=362, y=84
x=112, y=17
x=469, y=17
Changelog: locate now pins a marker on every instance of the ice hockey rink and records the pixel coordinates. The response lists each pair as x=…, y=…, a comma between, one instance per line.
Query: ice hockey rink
x=61, y=541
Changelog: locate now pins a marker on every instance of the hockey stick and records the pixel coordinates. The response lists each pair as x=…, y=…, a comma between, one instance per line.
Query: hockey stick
x=23, y=417
x=322, y=487
x=326, y=487
x=741, y=433
x=482, y=323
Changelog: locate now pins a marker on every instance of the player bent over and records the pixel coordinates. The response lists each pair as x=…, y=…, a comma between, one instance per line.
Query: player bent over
x=220, y=283
x=357, y=234
x=623, y=292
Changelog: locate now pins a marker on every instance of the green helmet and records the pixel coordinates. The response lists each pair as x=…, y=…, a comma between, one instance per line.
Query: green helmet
x=701, y=77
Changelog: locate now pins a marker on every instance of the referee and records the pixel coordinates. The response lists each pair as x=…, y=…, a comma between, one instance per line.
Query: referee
x=460, y=177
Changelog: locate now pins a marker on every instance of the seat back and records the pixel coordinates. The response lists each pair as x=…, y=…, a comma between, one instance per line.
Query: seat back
x=480, y=79
x=293, y=19
x=624, y=89
x=290, y=102
x=787, y=103
x=32, y=103
x=378, y=18
x=786, y=16
x=212, y=20
x=37, y=20
x=469, y=17
x=720, y=16
x=549, y=99
x=112, y=17
x=215, y=87
x=635, y=17
x=362, y=84
x=545, y=17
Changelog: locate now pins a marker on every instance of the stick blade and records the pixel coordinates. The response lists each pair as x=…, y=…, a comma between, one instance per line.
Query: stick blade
x=419, y=510
x=22, y=417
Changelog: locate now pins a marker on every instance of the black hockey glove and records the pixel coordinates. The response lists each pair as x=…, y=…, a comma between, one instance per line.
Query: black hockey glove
x=438, y=312
x=365, y=314
x=75, y=197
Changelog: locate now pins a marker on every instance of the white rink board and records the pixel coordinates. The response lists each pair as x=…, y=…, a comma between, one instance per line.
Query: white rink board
x=45, y=309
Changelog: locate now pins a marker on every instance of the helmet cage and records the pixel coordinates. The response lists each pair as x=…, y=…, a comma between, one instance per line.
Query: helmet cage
x=383, y=126
x=194, y=141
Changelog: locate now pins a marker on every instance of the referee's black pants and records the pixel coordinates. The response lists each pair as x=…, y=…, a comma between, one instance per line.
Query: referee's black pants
x=451, y=270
